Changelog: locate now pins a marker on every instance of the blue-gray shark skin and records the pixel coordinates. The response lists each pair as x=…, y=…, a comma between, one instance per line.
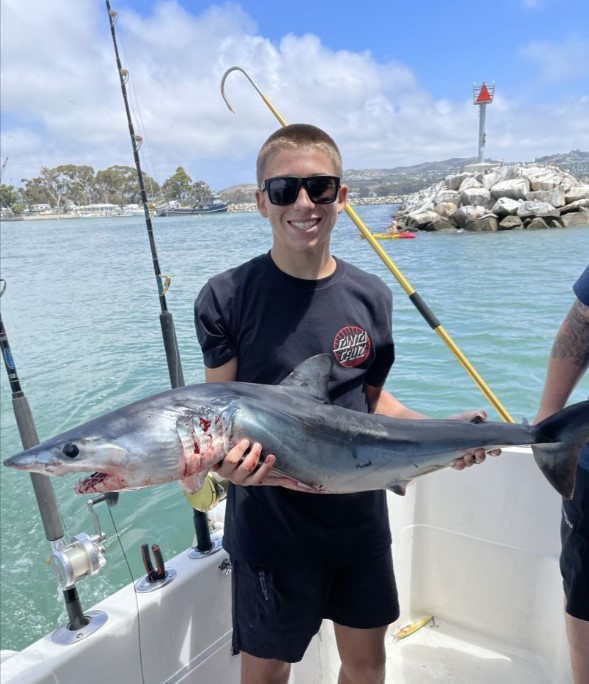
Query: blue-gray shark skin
x=180, y=434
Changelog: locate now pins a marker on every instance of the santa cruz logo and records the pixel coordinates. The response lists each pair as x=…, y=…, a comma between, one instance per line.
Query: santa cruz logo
x=351, y=346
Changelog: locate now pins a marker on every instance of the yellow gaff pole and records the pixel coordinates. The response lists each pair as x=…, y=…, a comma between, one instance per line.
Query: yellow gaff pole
x=415, y=298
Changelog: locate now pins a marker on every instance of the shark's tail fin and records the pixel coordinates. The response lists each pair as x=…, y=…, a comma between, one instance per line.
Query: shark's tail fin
x=558, y=440
x=558, y=463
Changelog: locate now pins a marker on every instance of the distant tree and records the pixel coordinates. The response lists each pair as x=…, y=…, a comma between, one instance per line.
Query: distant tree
x=201, y=191
x=119, y=185
x=80, y=181
x=35, y=191
x=56, y=182
x=178, y=187
x=62, y=183
x=9, y=196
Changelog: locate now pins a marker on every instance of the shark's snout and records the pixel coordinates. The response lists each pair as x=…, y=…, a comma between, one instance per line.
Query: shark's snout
x=35, y=460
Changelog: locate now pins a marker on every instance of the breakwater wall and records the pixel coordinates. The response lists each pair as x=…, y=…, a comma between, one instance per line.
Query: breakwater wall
x=498, y=197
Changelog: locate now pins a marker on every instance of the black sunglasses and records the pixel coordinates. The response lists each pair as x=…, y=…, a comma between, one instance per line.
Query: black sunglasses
x=284, y=190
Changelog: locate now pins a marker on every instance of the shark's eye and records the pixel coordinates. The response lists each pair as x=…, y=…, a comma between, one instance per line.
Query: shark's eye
x=70, y=450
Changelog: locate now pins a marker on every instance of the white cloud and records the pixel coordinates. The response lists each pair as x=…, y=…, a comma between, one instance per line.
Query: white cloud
x=62, y=103
x=558, y=62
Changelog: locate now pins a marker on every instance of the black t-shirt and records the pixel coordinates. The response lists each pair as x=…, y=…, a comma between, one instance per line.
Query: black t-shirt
x=272, y=322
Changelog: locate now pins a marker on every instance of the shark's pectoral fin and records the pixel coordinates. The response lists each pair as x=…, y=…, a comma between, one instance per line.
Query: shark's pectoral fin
x=290, y=482
x=558, y=463
x=193, y=483
x=400, y=488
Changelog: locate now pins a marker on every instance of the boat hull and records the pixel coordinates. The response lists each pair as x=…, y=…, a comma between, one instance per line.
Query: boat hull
x=194, y=211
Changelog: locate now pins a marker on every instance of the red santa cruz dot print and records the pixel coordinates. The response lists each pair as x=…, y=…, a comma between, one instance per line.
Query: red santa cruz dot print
x=351, y=346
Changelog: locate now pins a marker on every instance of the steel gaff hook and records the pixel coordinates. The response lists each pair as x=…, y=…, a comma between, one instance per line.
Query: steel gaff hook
x=415, y=298
x=255, y=87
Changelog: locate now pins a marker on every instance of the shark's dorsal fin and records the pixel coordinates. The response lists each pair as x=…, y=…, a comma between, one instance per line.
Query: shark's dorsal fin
x=312, y=376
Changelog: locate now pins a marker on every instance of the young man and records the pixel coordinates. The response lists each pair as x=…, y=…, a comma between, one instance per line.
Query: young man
x=568, y=362
x=298, y=557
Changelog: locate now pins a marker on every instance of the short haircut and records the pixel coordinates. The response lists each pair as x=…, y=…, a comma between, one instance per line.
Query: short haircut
x=295, y=136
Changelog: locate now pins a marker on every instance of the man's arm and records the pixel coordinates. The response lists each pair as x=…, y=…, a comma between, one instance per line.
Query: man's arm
x=225, y=373
x=382, y=402
x=568, y=361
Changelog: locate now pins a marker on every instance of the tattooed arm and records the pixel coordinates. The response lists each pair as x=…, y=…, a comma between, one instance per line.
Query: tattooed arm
x=568, y=361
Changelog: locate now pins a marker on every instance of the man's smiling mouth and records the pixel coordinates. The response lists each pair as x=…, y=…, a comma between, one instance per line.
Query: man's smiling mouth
x=304, y=225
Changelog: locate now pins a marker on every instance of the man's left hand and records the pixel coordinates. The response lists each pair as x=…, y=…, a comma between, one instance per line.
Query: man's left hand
x=469, y=458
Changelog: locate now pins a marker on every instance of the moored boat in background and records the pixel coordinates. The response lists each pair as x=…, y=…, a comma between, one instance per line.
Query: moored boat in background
x=209, y=205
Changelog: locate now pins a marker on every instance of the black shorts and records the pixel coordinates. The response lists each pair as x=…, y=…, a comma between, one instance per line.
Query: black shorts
x=277, y=611
x=574, y=558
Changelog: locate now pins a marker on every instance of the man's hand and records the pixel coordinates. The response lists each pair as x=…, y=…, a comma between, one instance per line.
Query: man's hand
x=469, y=458
x=242, y=466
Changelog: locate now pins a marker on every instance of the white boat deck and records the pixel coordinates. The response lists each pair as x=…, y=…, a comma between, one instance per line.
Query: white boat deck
x=444, y=655
x=440, y=654
x=476, y=549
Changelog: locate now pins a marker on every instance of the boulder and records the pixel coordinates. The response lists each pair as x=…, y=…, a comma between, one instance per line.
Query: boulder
x=510, y=223
x=487, y=223
x=447, y=196
x=577, y=192
x=554, y=196
x=445, y=209
x=468, y=183
x=531, y=208
x=464, y=215
x=454, y=181
x=489, y=179
x=514, y=189
x=421, y=220
x=505, y=207
x=541, y=178
x=508, y=172
x=553, y=222
x=536, y=223
x=575, y=219
x=577, y=205
x=478, y=197
x=442, y=225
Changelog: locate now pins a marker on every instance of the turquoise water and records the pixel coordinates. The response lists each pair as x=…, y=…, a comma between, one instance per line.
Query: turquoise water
x=81, y=311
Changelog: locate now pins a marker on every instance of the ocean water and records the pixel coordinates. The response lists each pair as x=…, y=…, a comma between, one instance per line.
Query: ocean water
x=81, y=311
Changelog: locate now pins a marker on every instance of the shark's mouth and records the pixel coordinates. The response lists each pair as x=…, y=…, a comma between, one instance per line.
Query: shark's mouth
x=95, y=483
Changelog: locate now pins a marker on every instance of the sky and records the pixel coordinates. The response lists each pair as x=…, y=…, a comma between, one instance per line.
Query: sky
x=391, y=81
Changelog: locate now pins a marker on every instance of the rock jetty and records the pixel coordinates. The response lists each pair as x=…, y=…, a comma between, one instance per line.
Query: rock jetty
x=488, y=197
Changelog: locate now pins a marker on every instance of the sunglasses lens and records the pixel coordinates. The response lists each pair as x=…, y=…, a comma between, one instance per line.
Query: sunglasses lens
x=282, y=191
x=322, y=189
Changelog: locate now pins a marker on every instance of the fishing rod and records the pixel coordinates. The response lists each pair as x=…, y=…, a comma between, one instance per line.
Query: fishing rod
x=417, y=301
x=213, y=489
x=163, y=282
x=61, y=559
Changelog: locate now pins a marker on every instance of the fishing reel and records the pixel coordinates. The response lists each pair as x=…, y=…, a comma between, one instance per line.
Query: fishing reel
x=84, y=555
x=213, y=491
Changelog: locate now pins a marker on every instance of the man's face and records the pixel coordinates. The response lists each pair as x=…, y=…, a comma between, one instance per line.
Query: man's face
x=302, y=226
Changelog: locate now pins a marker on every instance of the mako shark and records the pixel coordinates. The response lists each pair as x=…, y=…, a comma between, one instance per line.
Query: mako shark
x=180, y=434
